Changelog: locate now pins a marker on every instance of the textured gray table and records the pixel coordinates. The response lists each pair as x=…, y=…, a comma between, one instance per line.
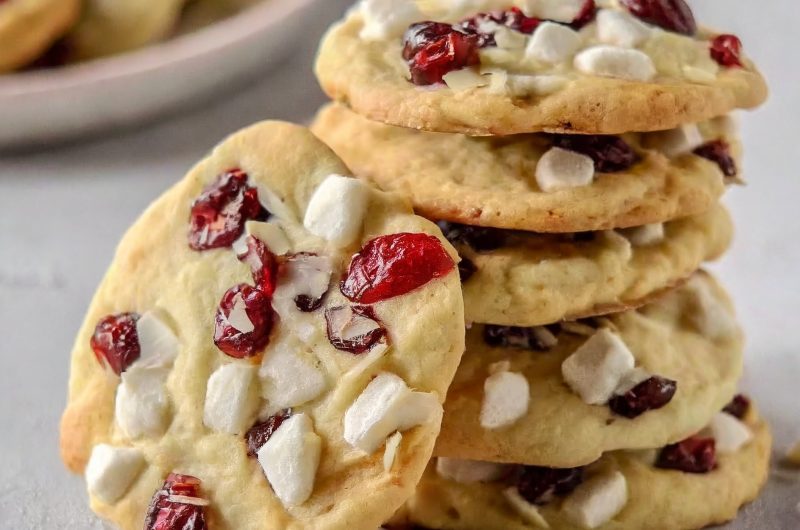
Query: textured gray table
x=63, y=209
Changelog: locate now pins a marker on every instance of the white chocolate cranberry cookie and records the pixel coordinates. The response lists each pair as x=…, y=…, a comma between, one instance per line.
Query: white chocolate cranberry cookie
x=699, y=482
x=108, y=28
x=269, y=349
x=540, y=182
x=29, y=27
x=562, y=395
x=526, y=279
x=581, y=66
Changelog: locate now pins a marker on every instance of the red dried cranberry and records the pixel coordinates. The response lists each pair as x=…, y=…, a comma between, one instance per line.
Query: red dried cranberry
x=166, y=514
x=538, y=485
x=692, y=455
x=586, y=15
x=219, y=213
x=478, y=238
x=263, y=264
x=419, y=35
x=535, y=338
x=393, y=265
x=610, y=153
x=672, y=15
x=115, y=342
x=354, y=329
x=738, y=407
x=259, y=433
x=450, y=52
x=650, y=394
x=719, y=151
x=233, y=341
x=466, y=269
x=727, y=51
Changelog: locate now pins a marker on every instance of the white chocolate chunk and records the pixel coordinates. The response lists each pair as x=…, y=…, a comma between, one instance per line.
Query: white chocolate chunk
x=553, y=43
x=645, y=235
x=526, y=510
x=111, y=471
x=597, y=367
x=271, y=234
x=231, y=398
x=336, y=210
x=384, y=19
x=730, y=434
x=287, y=379
x=274, y=204
x=561, y=169
x=506, y=396
x=290, y=459
x=508, y=39
x=469, y=471
x=390, y=452
x=464, y=79
x=142, y=405
x=675, y=142
x=303, y=274
x=158, y=345
x=386, y=405
x=598, y=500
x=238, y=318
x=708, y=314
x=613, y=61
x=559, y=10
x=620, y=28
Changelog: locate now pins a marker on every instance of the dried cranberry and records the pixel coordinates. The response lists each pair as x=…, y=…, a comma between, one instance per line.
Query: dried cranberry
x=538, y=485
x=263, y=264
x=727, y=51
x=115, y=342
x=650, y=394
x=466, y=269
x=259, y=433
x=419, y=35
x=395, y=264
x=167, y=513
x=585, y=16
x=535, y=338
x=354, y=329
x=479, y=238
x=610, y=153
x=738, y=407
x=219, y=213
x=672, y=15
x=719, y=151
x=437, y=57
x=234, y=341
x=692, y=455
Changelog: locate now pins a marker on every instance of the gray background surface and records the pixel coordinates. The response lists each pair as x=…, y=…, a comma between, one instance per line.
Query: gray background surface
x=62, y=210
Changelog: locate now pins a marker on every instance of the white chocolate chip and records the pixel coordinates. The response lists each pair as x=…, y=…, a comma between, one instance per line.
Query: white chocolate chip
x=390, y=452
x=645, y=235
x=613, y=61
x=559, y=10
x=111, y=471
x=287, y=379
x=526, y=510
x=384, y=19
x=271, y=234
x=561, y=169
x=553, y=43
x=620, y=28
x=469, y=471
x=730, y=434
x=142, y=405
x=597, y=367
x=598, y=500
x=336, y=210
x=675, y=142
x=231, y=399
x=708, y=314
x=506, y=396
x=158, y=345
x=464, y=79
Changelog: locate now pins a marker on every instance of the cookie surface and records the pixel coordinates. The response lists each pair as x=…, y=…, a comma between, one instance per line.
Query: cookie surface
x=559, y=429
x=155, y=270
x=666, y=499
x=491, y=181
x=371, y=76
x=537, y=279
x=29, y=27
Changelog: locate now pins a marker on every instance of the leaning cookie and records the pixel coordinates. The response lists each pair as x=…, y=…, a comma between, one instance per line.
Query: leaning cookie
x=563, y=395
x=29, y=27
x=108, y=28
x=699, y=482
x=578, y=66
x=525, y=279
x=269, y=349
x=540, y=182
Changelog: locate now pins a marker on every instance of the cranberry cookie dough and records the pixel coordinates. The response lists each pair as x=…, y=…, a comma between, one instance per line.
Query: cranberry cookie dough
x=269, y=349
x=579, y=66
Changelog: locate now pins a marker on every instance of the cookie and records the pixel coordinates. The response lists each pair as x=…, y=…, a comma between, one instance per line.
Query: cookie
x=29, y=27
x=603, y=70
x=558, y=418
x=111, y=28
x=497, y=182
x=527, y=279
x=271, y=333
x=635, y=493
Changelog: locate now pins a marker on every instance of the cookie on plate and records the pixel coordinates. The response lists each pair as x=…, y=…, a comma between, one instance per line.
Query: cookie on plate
x=29, y=27
x=526, y=279
x=269, y=349
x=576, y=66
x=108, y=28
x=520, y=182
x=563, y=395
x=701, y=481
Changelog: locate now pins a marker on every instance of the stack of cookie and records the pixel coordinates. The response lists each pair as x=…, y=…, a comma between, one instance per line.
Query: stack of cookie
x=574, y=152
